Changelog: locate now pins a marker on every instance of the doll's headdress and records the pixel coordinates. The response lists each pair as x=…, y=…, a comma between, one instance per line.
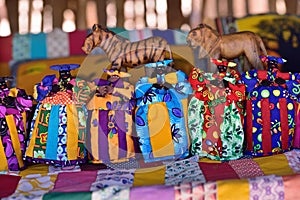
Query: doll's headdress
x=64, y=67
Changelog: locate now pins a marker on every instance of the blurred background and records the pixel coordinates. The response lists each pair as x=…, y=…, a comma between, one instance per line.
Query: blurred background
x=34, y=16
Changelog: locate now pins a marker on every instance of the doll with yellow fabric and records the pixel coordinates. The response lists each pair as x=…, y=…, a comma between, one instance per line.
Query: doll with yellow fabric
x=109, y=136
x=14, y=103
x=59, y=123
x=161, y=113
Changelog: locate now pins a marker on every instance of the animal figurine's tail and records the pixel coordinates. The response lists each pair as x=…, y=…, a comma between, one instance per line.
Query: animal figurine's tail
x=261, y=45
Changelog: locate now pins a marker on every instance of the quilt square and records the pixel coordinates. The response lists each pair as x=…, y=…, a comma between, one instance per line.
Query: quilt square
x=183, y=171
x=246, y=168
x=293, y=158
x=217, y=171
x=196, y=191
x=33, y=186
x=113, y=177
x=8, y=184
x=267, y=187
x=74, y=181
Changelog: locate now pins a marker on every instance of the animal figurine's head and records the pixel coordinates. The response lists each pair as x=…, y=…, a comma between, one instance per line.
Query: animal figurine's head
x=95, y=38
x=198, y=35
x=88, y=44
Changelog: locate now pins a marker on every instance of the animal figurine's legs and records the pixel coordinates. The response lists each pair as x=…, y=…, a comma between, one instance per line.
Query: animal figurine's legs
x=254, y=60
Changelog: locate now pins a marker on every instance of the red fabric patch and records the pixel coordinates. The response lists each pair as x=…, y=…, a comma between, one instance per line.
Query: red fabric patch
x=8, y=184
x=284, y=124
x=76, y=40
x=262, y=74
x=6, y=48
x=266, y=126
x=246, y=168
x=249, y=125
x=217, y=171
x=74, y=181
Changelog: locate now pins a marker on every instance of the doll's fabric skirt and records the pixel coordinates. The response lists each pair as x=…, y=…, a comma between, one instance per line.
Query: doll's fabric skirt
x=57, y=134
x=12, y=142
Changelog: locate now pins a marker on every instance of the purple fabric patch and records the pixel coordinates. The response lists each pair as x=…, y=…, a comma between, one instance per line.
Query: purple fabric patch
x=103, y=131
x=74, y=181
x=267, y=187
x=120, y=123
x=152, y=192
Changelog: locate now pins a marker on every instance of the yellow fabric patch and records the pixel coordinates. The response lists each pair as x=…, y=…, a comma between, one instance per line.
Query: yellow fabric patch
x=3, y=163
x=13, y=92
x=149, y=176
x=72, y=132
x=35, y=169
x=169, y=78
x=159, y=127
x=276, y=164
x=35, y=184
x=233, y=189
x=15, y=139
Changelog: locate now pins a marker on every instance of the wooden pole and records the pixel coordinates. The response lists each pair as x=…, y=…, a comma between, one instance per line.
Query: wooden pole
x=101, y=10
x=174, y=15
x=120, y=13
x=291, y=6
x=272, y=6
x=13, y=15
x=81, y=14
x=203, y=7
x=58, y=10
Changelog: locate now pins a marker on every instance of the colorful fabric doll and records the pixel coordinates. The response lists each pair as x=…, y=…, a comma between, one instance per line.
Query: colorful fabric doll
x=110, y=131
x=59, y=124
x=216, y=113
x=270, y=108
x=161, y=114
x=14, y=103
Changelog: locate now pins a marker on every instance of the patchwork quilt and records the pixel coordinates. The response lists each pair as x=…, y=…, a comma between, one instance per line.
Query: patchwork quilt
x=272, y=177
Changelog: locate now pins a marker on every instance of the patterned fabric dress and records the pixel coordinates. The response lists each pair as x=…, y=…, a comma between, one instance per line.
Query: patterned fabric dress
x=270, y=111
x=161, y=116
x=58, y=127
x=110, y=123
x=14, y=105
x=215, y=115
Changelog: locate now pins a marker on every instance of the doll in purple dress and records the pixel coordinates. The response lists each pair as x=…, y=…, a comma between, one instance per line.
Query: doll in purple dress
x=14, y=104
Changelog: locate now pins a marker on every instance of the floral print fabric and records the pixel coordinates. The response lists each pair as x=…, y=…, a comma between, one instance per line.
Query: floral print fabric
x=161, y=117
x=13, y=107
x=215, y=115
x=110, y=134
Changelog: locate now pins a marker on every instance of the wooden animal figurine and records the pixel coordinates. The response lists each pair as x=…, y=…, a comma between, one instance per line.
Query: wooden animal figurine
x=229, y=46
x=121, y=52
